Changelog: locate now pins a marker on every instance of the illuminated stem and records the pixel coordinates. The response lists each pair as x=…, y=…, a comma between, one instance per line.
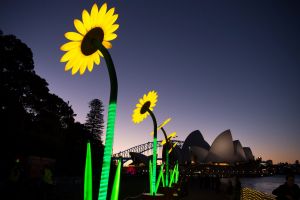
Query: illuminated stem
x=116, y=185
x=150, y=176
x=110, y=122
x=167, y=155
x=172, y=176
x=154, y=158
x=177, y=173
x=88, y=178
x=160, y=176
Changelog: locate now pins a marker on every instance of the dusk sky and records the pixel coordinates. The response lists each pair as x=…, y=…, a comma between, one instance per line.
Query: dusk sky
x=216, y=65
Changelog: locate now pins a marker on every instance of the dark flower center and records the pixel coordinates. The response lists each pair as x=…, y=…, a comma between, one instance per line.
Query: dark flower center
x=88, y=45
x=145, y=107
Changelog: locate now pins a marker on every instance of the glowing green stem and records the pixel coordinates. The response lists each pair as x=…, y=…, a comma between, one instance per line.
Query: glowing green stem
x=116, y=186
x=150, y=176
x=160, y=176
x=88, y=178
x=172, y=176
x=154, y=156
x=177, y=173
x=167, y=155
x=112, y=107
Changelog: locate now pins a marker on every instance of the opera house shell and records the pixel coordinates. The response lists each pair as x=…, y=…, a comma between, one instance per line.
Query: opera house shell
x=222, y=150
x=196, y=149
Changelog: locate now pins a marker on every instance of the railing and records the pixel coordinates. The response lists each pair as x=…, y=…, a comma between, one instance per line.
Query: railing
x=251, y=194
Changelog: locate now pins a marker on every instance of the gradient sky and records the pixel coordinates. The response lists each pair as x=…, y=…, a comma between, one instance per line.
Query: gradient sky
x=216, y=65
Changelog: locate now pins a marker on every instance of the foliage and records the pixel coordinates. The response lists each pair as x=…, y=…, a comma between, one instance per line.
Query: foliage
x=94, y=119
x=35, y=121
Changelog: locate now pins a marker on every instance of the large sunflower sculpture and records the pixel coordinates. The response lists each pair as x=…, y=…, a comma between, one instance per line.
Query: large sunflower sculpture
x=82, y=51
x=147, y=102
x=94, y=33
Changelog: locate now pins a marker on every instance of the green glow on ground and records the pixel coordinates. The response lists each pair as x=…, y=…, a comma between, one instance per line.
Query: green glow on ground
x=154, y=165
x=116, y=186
x=88, y=178
x=107, y=151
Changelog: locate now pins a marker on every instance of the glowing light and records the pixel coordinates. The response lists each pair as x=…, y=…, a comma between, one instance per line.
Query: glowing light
x=150, y=177
x=154, y=164
x=116, y=185
x=146, y=102
x=107, y=151
x=81, y=51
x=159, y=177
x=88, y=178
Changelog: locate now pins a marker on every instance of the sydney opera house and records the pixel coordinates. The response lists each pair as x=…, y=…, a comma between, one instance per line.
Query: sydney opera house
x=196, y=150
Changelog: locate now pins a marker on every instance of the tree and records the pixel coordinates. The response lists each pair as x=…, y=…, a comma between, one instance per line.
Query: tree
x=94, y=122
x=33, y=121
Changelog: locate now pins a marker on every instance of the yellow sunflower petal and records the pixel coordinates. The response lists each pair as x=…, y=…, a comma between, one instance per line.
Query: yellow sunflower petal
x=103, y=9
x=75, y=68
x=107, y=45
x=101, y=14
x=110, y=13
x=83, y=67
x=99, y=52
x=111, y=20
x=73, y=36
x=86, y=20
x=112, y=28
x=68, y=55
x=90, y=65
x=110, y=37
x=96, y=58
x=69, y=46
x=69, y=65
x=79, y=26
x=94, y=13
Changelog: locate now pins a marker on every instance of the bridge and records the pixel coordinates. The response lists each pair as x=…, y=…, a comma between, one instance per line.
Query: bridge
x=142, y=148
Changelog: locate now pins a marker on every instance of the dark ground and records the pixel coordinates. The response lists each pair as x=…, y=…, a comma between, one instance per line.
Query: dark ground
x=131, y=188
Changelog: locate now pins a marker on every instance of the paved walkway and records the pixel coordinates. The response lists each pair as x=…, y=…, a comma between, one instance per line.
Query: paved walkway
x=195, y=192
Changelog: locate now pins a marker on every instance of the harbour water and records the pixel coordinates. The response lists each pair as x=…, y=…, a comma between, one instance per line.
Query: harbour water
x=266, y=184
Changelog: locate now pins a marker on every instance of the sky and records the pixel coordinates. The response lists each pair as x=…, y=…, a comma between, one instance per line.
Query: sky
x=216, y=65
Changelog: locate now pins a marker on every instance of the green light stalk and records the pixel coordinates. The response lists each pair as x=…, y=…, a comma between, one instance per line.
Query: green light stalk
x=172, y=176
x=154, y=156
x=112, y=107
x=167, y=155
x=116, y=185
x=150, y=176
x=177, y=173
x=88, y=178
x=160, y=177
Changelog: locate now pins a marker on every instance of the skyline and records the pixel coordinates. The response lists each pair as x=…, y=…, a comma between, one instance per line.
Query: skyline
x=215, y=66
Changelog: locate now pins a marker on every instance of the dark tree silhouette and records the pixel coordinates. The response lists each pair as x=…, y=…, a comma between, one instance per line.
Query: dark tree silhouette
x=33, y=121
x=94, y=120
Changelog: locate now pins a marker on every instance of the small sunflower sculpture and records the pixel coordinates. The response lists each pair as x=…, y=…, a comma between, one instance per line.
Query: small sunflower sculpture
x=96, y=27
x=162, y=125
x=172, y=135
x=147, y=102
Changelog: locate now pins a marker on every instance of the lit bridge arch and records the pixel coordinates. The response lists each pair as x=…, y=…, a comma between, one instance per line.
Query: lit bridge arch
x=141, y=149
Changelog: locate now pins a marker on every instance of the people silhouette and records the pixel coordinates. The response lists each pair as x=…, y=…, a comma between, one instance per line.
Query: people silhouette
x=289, y=190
